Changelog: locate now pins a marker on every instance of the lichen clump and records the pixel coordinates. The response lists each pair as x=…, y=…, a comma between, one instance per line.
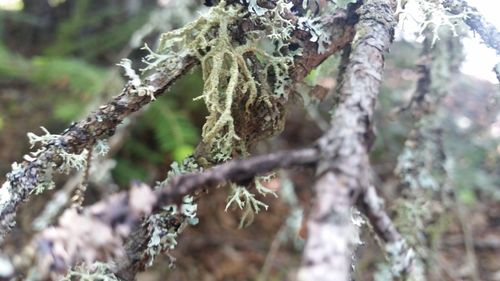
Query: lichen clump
x=165, y=226
x=229, y=65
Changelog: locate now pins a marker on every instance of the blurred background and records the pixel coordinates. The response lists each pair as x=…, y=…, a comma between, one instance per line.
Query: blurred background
x=58, y=61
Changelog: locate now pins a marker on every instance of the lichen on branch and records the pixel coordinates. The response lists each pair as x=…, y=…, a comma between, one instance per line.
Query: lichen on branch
x=231, y=61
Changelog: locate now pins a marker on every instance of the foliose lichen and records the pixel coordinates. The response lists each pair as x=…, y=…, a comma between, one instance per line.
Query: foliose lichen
x=165, y=226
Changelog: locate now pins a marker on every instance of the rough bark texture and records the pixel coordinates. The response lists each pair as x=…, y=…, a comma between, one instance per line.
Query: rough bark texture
x=119, y=216
x=344, y=170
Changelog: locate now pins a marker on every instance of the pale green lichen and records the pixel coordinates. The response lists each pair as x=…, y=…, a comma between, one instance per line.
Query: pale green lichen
x=135, y=81
x=429, y=15
x=226, y=65
x=101, y=148
x=261, y=188
x=252, y=68
x=97, y=271
x=246, y=201
x=67, y=163
x=43, y=139
x=165, y=226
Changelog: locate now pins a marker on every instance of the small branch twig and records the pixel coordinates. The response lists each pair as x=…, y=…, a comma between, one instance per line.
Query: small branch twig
x=118, y=216
x=101, y=123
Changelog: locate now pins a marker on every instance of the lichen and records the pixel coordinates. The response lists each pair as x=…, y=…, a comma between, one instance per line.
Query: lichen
x=246, y=201
x=135, y=81
x=229, y=66
x=165, y=226
x=51, y=157
x=259, y=186
x=429, y=15
x=96, y=271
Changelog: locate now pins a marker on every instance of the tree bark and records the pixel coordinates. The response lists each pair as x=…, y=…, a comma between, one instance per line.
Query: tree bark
x=344, y=170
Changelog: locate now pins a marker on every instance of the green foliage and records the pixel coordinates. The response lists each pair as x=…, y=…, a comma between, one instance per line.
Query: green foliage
x=174, y=137
x=13, y=66
x=85, y=18
x=70, y=80
x=125, y=171
x=173, y=130
x=73, y=80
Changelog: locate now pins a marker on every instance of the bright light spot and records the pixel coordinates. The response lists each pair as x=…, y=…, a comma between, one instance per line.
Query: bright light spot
x=463, y=122
x=479, y=60
x=495, y=130
x=11, y=5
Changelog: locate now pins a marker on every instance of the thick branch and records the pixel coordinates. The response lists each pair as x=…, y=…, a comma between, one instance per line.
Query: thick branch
x=344, y=170
x=341, y=29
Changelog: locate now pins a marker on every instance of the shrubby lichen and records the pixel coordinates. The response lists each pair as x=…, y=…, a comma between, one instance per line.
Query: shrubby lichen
x=244, y=72
x=42, y=163
x=430, y=15
x=230, y=65
x=246, y=201
x=97, y=271
x=135, y=81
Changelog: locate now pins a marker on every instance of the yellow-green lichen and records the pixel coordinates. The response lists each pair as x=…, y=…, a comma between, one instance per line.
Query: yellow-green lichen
x=229, y=67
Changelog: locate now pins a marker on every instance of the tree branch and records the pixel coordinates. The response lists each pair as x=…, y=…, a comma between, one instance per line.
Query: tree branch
x=344, y=169
x=474, y=19
x=121, y=210
x=23, y=180
x=340, y=26
x=115, y=218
